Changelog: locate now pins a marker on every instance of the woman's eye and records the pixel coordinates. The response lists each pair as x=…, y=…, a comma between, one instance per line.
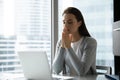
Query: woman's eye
x=70, y=22
x=67, y=22
x=63, y=22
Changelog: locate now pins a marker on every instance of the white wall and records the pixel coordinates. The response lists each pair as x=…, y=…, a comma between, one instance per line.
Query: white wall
x=116, y=38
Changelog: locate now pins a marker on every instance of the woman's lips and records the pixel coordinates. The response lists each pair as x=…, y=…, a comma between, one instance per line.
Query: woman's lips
x=68, y=30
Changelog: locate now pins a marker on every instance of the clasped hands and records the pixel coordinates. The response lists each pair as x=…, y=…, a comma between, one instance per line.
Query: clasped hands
x=66, y=38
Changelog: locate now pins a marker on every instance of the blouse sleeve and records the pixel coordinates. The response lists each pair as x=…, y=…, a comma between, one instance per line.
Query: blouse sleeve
x=89, y=55
x=59, y=59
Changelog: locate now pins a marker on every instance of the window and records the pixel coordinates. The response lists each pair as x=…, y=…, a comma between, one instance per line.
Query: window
x=24, y=25
x=98, y=18
x=29, y=28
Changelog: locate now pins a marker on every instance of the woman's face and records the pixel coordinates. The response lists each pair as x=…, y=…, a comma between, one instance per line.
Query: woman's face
x=70, y=23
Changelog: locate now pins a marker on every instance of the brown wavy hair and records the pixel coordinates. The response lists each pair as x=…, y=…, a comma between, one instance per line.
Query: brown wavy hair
x=78, y=15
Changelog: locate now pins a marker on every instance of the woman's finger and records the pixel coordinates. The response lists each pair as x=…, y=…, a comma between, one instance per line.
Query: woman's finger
x=70, y=37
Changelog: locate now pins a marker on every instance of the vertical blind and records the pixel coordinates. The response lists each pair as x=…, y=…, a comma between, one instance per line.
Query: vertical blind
x=30, y=30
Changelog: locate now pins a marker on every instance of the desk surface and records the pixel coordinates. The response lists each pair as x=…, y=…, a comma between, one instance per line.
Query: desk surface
x=58, y=77
x=89, y=77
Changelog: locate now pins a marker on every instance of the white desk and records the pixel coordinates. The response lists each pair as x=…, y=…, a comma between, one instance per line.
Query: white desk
x=89, y=77
x=4, y=76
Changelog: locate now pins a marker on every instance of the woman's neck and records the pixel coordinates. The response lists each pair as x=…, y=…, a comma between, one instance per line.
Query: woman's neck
x=76, y=37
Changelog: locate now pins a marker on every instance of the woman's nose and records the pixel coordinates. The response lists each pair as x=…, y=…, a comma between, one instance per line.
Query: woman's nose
x=66, y=25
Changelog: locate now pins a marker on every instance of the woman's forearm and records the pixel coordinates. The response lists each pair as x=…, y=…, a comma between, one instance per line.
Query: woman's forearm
x=58, y=61
x=82, y=66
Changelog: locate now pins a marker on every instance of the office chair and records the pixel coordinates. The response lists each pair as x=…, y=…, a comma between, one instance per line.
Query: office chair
x=104, y=69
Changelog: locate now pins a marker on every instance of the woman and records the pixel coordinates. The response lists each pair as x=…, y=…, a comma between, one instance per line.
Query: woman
x=76, y=51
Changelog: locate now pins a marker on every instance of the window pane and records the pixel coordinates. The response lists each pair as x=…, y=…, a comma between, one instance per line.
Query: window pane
x=30, y=30
x=98, y=18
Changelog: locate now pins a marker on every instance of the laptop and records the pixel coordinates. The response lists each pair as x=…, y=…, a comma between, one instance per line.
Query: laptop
x=35, y=65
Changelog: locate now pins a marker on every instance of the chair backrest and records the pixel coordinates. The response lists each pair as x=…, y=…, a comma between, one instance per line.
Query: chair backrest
x=104, y=69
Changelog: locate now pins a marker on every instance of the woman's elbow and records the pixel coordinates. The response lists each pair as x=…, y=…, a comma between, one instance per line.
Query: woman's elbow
x=56, y=69
x=82, y=72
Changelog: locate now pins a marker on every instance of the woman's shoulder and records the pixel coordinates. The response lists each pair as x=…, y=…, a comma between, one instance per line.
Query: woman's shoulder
x=90, y=40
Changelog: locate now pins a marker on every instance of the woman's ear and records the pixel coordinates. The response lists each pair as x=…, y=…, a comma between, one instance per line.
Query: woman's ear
x=79, y=23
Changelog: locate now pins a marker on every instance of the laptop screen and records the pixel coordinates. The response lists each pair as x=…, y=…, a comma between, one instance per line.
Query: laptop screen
x=35, y=65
